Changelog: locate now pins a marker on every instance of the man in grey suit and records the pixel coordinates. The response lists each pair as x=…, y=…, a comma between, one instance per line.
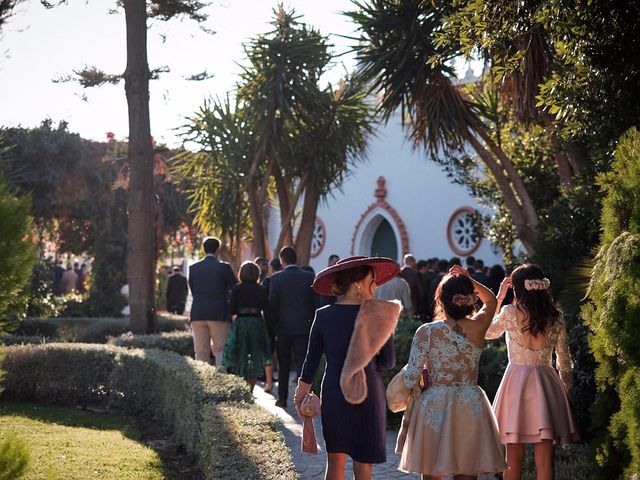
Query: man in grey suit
x=210, y=281
x=292, y=303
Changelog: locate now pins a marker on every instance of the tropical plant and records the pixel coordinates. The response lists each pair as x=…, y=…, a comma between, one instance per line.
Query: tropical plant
x=612, y=314
x=402, y=57
x=279, y=90
x=213, y=175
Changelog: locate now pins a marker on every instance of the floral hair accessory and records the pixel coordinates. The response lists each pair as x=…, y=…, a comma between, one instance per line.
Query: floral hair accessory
x=464, y=300
x=537, y=284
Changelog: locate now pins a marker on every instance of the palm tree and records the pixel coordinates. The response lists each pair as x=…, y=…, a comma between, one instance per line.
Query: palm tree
x=213, y=175
x=278, y=90
x=403, y=59
x=339, y=139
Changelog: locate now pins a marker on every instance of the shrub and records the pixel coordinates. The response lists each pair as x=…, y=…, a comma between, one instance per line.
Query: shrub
x=17, y=255
x=14, y=457
x=207, y=412
x=178, y=342
x=89, y=330
x=613, y=313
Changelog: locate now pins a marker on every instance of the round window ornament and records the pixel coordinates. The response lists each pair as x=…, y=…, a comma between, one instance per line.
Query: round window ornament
x=464, y=231
x=319, y=238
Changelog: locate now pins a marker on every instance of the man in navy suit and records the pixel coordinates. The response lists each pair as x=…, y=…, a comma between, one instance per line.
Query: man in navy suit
x=292, y=303
x=210, y=281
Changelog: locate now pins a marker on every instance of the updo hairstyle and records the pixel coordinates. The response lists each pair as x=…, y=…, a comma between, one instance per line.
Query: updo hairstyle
x=345, y=278
x=449, y=286
x=535, y=303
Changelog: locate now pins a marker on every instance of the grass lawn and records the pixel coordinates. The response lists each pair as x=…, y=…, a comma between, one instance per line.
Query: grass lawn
x=68, y=444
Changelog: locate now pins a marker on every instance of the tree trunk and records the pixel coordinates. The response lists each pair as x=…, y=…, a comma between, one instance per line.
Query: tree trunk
x=289, y=215
x=141, y=243
x=526, y=233
x=286, y=204
x=565, y=172
x=528, y=208
x=256, y=212
x=307, y=224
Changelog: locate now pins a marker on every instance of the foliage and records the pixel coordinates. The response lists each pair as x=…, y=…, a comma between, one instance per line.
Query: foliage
x=14, y=457
x=88, y=330
x=285, y=135
x=67, y=443
x=214, y=174
x=17, y=254
x=193, y=401
x=612, y=315
x=42, y=302
x=180, y=342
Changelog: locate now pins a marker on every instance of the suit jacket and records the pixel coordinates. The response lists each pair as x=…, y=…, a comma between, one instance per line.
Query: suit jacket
x=292, y=301
x=210, y=281
x=412, y=276
x=177, y=290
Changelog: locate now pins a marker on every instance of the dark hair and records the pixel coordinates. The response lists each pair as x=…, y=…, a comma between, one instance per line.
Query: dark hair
x=496, y=273
x=249, y=272
x=275, y=264
x=537, y=305
x=288, y=255
x=211, y=245
x=261, y=261
x=454, y=261
x=449, y=286
x=469, y=261
x=345, y=278
x=421, y=264
x=332, y=256
x=308, y=268
x=443, y=265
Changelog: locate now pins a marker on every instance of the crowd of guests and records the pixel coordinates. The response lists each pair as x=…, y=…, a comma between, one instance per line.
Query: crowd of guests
x=69, y=279
x=348, y=313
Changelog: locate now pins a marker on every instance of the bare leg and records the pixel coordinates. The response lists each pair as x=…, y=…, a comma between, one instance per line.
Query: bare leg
x=362, y=471
x=251, y=382
x=268, y=372
x=335, y=466
x=543, y=452
x=515, y=456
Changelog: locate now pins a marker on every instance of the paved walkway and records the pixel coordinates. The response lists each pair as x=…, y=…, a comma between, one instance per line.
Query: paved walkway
x=311, y=466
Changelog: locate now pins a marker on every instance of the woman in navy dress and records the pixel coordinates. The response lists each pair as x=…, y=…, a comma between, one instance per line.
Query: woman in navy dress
x=356, y=430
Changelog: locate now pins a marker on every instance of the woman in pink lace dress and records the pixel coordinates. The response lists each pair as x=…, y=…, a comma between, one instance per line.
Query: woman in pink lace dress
x=531, y=404
x=452, y=429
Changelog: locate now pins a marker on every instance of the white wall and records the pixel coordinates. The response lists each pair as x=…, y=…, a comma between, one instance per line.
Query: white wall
x=417, y=189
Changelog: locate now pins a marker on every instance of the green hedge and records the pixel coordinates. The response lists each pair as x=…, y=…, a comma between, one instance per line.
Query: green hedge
x=207, y=412
x=88, y=330
x=178, y=342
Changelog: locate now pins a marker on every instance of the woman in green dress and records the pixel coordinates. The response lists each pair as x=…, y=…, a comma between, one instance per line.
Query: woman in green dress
x=247, y=352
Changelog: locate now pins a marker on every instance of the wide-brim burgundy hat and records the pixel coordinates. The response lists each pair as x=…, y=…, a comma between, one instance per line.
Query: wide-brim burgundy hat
x=384, y=269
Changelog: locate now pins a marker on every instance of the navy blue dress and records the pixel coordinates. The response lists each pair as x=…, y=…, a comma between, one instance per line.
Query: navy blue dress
x=357, y=430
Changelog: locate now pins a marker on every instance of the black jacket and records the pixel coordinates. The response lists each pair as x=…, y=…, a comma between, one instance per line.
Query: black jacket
x=210, y=281
x=292, y=301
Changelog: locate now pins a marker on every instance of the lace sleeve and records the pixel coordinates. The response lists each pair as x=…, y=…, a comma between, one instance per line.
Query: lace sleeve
x=417, y=357
x=499, y=323
x=563, y=356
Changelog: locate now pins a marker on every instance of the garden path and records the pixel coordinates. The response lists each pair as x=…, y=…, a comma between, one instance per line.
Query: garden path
x=310, y=466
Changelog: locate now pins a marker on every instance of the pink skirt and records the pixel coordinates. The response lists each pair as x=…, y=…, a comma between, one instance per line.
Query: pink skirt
x=531, y=405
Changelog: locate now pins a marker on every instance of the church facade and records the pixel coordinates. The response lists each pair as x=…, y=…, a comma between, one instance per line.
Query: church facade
x=397, y=202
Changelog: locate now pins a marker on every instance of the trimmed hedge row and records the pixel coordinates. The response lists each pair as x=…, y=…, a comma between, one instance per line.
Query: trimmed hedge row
x=178, y=342
x=88, y=330
x=207, y=412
